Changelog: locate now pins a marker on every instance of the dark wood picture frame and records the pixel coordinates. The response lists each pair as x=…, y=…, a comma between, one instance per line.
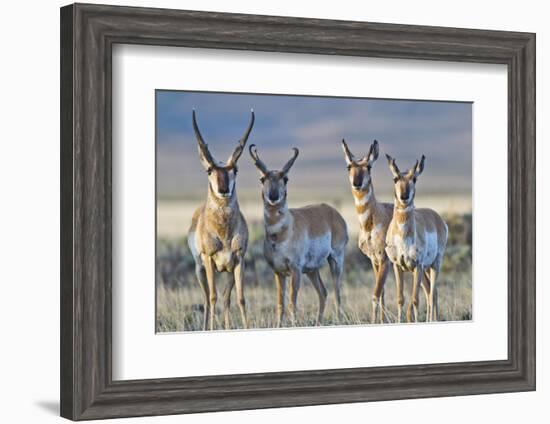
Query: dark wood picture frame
x=88, y=33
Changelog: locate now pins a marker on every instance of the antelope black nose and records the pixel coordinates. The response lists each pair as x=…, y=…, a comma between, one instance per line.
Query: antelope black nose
x=356, y=186
x=273, y=194
x=224, y=190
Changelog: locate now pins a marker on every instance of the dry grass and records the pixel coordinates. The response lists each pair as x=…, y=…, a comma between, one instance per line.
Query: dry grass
x=180, y=308
x=180, y=300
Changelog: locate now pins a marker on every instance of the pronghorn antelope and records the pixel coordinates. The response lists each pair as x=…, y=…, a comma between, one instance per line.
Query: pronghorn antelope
x=299, y=240
x=218, y=235
x=374, y=218
x=416, y=241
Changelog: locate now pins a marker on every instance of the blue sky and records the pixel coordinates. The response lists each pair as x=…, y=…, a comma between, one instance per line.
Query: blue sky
x=405, y=129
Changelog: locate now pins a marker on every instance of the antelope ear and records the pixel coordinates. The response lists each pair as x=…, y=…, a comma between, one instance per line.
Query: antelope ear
x=373, y=154
x=347, y=153
x=419, y=167
x=393, y=167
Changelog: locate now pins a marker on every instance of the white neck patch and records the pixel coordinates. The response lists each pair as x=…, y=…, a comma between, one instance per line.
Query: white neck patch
x=407, y=209
x=363, y=200
x=364, y=216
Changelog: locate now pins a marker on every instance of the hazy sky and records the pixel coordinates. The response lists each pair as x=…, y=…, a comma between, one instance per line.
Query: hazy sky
x=316, y=125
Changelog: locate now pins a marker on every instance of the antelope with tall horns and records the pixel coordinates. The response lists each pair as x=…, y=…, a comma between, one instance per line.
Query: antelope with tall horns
x=299, y=240
x=374, y=219
x=218, y=236
x=415, y=241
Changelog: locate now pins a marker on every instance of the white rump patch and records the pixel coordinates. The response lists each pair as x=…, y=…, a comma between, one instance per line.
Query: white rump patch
x=316, y=251
x=431, y=248
x=192, y=244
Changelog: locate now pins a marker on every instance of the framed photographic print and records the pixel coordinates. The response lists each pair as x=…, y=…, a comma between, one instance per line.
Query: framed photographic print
x=263, y=211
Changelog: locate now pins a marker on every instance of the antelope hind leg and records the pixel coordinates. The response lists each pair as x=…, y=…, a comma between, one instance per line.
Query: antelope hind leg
x=375, y=302
x=426, y=288
x=295, y=280
x=201, y=278
x=434, y=308
x=321, y=292
x=336, y=264
x=213, y=295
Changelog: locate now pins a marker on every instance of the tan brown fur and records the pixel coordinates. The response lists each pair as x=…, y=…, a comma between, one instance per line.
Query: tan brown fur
x=299, y=241
x=220, y=229
x=317, y=220
x=218, y=234
x=286, y=250
x=374, y=218
x=400, y=216
x=218, y=238
x=416, y=242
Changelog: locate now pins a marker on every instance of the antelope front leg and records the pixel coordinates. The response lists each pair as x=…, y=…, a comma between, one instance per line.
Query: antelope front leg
x=227, y=301
x=281, y=288
x=417, y=280
x=399, y=289
x=239, y=284
x=210, y=277
x=295, y=280
x=377, y=297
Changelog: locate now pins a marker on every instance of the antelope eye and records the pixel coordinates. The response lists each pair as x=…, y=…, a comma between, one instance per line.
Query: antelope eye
x=285, y=179
x=396, y=179
x=348, y=167
x=209, y=171
x=262, y=180
x=414, y=180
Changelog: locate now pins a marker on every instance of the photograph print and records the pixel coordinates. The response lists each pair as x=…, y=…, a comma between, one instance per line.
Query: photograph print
x=285, y=211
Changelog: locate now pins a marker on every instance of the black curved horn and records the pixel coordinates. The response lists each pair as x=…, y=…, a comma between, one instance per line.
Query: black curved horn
x=256, y=159
x=203, y=147
x=289, y=164
x=242, y=142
